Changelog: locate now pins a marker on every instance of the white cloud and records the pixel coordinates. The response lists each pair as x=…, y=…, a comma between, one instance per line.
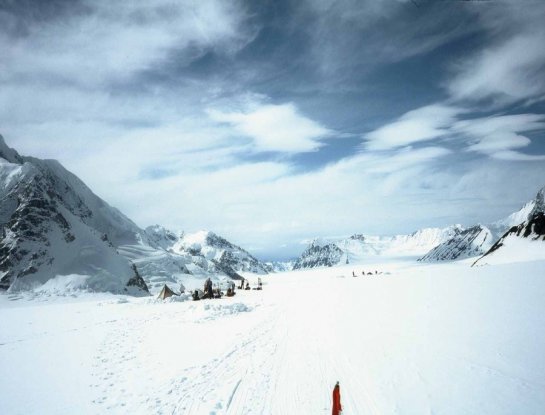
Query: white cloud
x=275, y=127
x=422, y=124
x=400, y=160
x=111, y=41
x=508, y=72
x=516, y=156
x=498, y=136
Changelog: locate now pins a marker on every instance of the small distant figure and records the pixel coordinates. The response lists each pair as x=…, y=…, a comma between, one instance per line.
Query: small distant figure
x=241, y=284
x=247, y=285
x=337, y=408
x=363, y=273
x=196, y=295
x=369, y=273
x=182, y=289
x=259, y=283
x=208, y=293
x=376, y=272
x=230, y=292
x=353, y=274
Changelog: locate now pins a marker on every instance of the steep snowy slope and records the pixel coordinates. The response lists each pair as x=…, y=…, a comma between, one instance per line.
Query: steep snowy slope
x=478, y=239
x=467, y=243
x=52, y=224
x=357, y=248
x=525, y=242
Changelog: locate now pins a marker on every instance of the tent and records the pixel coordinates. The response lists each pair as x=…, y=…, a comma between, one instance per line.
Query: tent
x=166, y=292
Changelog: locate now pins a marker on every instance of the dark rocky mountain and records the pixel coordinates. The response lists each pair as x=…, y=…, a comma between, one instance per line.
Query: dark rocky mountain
x=319, y=255
x=52, y=224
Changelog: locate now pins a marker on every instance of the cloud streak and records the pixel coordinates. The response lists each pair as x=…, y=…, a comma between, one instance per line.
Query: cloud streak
x=508, y=72
x=498, y=136
x=109, y=43
x=275, y=128
x=422, y=124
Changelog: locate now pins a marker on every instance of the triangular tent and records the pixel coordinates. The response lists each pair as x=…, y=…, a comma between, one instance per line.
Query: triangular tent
x=166, y=292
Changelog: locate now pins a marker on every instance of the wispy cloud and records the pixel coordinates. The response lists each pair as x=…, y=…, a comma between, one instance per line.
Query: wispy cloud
x=422, y=124
x=109, y=42
x=354, y=35
x=504, y=73
x=499, y=136
x=508, y=67
x=275, y=127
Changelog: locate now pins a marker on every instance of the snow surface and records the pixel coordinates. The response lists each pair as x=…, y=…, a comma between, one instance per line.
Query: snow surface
x=415, y=339
x=515, y=249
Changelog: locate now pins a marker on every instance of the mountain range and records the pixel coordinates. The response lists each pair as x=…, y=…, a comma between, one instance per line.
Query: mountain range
x=359, y=247
x=53, y=225
x=432, y=244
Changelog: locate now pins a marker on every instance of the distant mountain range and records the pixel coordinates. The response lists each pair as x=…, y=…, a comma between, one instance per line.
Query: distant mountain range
x=358, y=247
x=52, y=225
x=431, y=244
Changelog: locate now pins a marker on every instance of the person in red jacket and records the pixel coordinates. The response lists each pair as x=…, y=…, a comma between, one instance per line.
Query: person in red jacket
x=336, y=400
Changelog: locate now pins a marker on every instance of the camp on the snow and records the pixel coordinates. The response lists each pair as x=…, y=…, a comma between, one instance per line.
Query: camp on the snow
x=165, y=293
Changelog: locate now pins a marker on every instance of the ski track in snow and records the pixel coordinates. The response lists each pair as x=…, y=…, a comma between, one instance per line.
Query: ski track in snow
x=416, y=340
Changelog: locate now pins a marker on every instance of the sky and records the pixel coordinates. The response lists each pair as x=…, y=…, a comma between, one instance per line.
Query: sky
x=273, y=122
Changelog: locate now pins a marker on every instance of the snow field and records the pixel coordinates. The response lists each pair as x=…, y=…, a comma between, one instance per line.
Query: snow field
x=418, y=339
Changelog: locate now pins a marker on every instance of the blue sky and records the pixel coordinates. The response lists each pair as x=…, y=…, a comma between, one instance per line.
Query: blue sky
x=271, y=122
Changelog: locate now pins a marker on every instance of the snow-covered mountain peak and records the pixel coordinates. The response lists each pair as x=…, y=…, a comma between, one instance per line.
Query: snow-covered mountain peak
x=539, y=202
x=319, y=242
x=161, y=236
x=199, y=238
